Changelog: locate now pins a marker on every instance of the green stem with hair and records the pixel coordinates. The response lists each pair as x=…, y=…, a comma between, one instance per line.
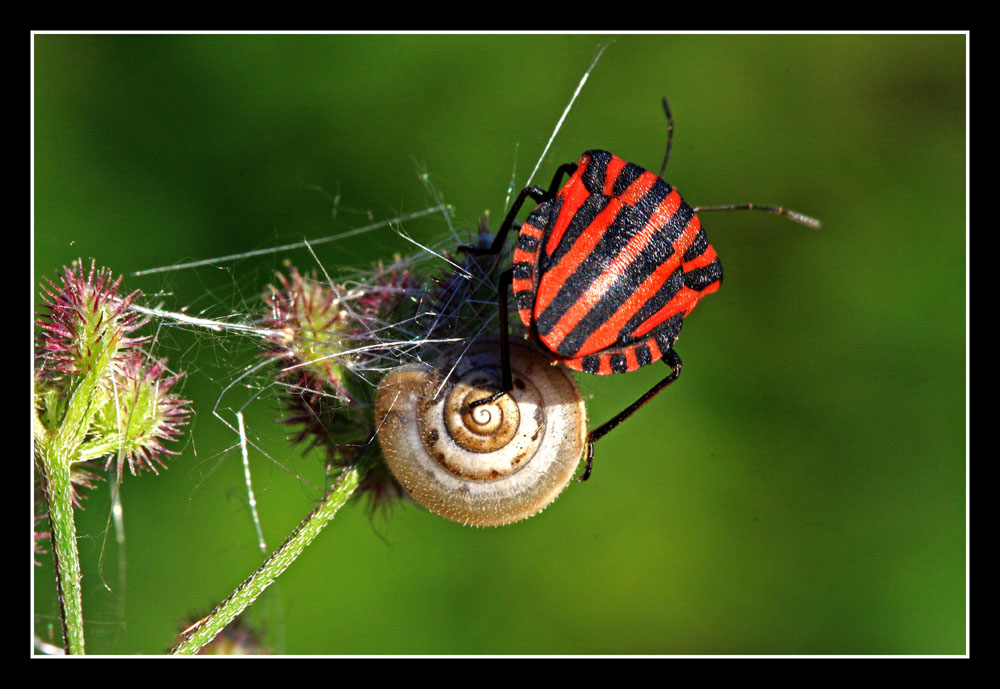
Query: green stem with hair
x=56, y=452
x=247, y=592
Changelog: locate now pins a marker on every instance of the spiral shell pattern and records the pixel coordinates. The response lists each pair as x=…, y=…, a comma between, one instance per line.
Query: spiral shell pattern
x=488, y=465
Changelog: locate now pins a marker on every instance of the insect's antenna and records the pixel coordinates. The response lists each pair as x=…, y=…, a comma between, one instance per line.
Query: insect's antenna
x=794, y=216
x=670, y=134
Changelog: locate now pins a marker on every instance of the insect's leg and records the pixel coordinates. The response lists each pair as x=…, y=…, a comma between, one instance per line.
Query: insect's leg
x=537, y=193
x=670, y=359
x=565, y=169
x=506, y=278
x=504, y=282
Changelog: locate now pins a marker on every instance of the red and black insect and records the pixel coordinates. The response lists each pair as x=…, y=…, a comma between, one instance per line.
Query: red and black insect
x=606, y=270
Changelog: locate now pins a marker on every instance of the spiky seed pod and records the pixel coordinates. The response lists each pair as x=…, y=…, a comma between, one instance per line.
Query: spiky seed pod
x=96, y=391
x=142, y=415
x=87, y=324
x=326, y=333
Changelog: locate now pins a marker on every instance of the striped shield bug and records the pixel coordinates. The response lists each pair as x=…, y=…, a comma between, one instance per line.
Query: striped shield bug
x=606, y=269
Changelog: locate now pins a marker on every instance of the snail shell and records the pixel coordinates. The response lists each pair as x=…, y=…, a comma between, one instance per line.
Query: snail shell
x=489, y=465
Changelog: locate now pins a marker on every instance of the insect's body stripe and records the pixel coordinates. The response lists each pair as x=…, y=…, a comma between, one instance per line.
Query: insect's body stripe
x=605, y=272
x=523, y=270
x=524, y=300
x=681, y=305
x=567, y=289
x=655, y=280
x=668, y=288
x=699, y=244
x=626, y=359
x=704, y=280
x=579, y=260
x=590, y=290
x=600, y=250
x=603, y=325
x=525, y=265
x=618, y=362
x=593, y=170
x=643, y=356
x=628, y=175
x=558, y=261
x=560, y=214
x=527, y=243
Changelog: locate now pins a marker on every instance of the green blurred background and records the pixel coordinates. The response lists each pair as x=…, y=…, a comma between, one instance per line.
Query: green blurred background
x=801, y=489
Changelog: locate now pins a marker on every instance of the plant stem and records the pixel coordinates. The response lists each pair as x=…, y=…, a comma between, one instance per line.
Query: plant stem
x=247, y=592
x=59, y=495
x=57, y=451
